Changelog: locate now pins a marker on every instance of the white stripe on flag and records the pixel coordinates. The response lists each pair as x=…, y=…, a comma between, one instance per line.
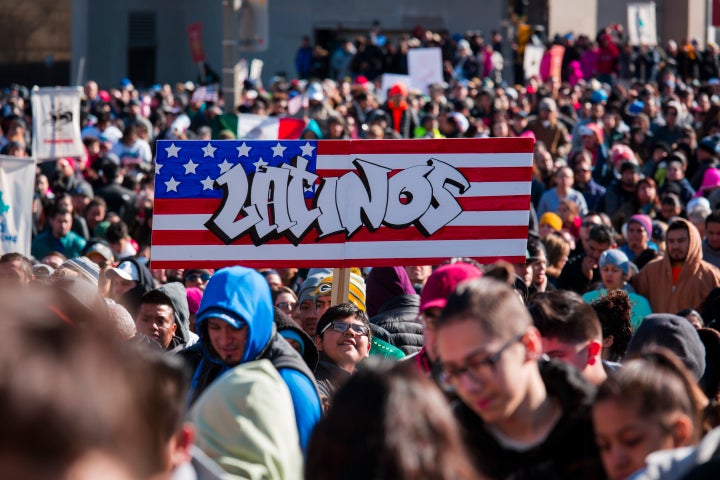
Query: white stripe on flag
x=406, y=160
x=465, y=219
x=353, y=250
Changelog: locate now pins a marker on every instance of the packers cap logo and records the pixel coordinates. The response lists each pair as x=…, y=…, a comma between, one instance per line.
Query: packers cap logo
x=324, y=287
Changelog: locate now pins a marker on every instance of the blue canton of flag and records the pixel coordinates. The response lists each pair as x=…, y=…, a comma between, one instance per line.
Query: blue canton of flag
x=188, y=168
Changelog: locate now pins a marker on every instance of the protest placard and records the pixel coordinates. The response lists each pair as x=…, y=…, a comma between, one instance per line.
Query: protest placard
x=17, y=176
x=340, y=203
x=424, y=67
x=56, y=123
x=641, y=23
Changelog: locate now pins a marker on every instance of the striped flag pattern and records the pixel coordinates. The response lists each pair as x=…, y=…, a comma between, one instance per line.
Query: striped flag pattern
x=206, y=93
x=492, y=225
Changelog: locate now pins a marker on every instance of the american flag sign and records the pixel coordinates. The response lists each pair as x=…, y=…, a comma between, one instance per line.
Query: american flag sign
x=303, y=203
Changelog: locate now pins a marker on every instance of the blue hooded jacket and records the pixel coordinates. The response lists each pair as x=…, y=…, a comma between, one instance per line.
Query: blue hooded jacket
x=239, y=295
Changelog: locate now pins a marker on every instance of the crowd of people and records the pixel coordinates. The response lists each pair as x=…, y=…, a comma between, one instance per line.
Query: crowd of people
x=598, y=357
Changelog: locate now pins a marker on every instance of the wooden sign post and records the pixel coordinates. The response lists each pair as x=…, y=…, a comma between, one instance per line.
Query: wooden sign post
x=341, y=286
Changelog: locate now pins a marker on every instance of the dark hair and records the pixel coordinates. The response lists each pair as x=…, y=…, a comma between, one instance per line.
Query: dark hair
x=657, y=384
x=670, y=198
x=395, y=416
x=56, y=210
x=493, y=304
x=535, y=247
x=564, y=315
x=678, y=225
x=267, y=273
x=713, y=217
x=614, y=311
x=602, y=234
x=117, y=231
x=341, y=312
x=156, y=297
x=96, y=202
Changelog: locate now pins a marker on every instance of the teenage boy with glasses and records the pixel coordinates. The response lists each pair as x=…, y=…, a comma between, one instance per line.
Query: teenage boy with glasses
x=343, y=340
x=521, y=417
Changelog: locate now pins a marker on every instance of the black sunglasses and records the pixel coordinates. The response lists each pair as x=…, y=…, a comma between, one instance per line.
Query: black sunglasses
x=195, y=276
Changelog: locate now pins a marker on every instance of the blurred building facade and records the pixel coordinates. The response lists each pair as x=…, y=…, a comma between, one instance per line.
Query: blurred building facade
x=69, y=41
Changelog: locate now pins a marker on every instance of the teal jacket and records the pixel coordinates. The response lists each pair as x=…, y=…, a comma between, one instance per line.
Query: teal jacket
x=71, y=245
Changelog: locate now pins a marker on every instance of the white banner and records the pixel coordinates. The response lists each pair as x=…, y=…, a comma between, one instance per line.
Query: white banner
x=256, y=67
x=642, y=23
x=17, y=177
x=56, y=123
x=532, y=60
x=424, y=67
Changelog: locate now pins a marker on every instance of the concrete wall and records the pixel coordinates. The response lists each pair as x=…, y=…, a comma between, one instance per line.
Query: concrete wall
x=578, y=16
x=106, y=41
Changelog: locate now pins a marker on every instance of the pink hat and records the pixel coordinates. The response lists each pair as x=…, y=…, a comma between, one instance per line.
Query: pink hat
x=710, y=180
x=593, y=129
x=194, y=295
x=620, y=154
x=442, y=283
x=528, y=134
x=643, y=220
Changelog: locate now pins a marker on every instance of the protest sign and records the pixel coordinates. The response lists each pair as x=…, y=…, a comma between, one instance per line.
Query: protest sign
x=641, y=23
x=197, y=52
x=340, y=203
x=56, y=123
x=424, y=67
x=206, y=93
x=17, y=177
x=533, y=58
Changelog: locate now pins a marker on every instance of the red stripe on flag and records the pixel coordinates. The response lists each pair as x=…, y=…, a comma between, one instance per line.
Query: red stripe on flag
x=182, y=206
x=205, y=237
x=499, y=203
x=190, y=206
x=426, y=146
x=350, y=262
x=290, y=128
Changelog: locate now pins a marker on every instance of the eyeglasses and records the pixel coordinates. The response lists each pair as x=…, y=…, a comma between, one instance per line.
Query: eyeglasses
x=289, y=306
x=198, y=276
x=588, y=224
x=342, y=327
x=476, y=367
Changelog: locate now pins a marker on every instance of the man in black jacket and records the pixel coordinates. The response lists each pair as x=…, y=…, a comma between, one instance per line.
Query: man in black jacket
x=393, y=305
x=521, y=417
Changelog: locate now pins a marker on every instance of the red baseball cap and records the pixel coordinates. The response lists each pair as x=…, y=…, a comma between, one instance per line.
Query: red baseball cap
x=443, y=281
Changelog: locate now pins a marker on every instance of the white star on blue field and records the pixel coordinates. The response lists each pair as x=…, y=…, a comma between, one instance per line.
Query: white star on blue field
x=188, y=168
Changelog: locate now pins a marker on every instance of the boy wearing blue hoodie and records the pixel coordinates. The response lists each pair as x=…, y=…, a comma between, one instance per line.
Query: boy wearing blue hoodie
x=235, y=326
